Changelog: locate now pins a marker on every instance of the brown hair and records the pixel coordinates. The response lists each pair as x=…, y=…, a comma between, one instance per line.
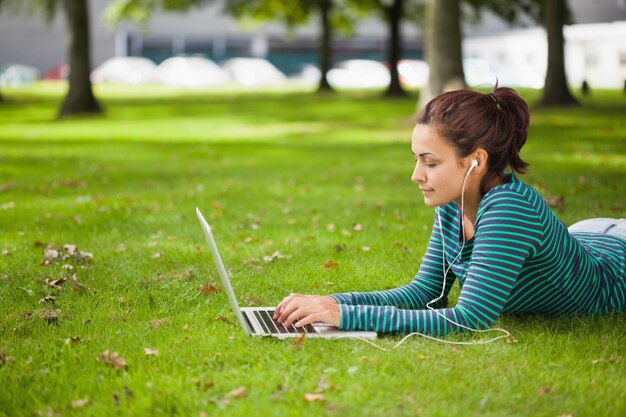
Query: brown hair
x=496, y=121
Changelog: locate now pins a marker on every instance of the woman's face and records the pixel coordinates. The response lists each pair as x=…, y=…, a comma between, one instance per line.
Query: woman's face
x=438, y=171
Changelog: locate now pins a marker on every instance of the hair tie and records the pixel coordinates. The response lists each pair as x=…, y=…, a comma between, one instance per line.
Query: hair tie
x=495, y=99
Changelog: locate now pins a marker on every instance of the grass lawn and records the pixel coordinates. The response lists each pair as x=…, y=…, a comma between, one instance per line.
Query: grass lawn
x=276, y=173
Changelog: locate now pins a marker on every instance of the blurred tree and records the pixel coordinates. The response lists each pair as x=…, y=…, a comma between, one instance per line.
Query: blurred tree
x=442, y=36
x=79, y=98
x=393, y=13
x=555, y=14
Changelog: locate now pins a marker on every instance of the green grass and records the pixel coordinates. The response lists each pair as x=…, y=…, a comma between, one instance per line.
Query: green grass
x=271, y=171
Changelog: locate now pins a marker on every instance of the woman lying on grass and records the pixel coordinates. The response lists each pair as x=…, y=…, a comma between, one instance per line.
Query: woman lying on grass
x=491, y=231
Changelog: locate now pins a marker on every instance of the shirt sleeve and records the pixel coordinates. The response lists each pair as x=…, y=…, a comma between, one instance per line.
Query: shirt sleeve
x=426, y=285
x=508, y=233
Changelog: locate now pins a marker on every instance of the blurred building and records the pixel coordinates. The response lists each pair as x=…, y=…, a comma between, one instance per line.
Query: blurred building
x=596, y=49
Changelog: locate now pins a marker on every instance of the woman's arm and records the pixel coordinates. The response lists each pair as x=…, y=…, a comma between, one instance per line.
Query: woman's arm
x=426, y=285
x=509, y=233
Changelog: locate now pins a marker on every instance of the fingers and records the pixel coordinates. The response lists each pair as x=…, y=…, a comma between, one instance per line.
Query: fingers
x=281, y=306
x=310, y=319
x=289, y=309
x=306, y=310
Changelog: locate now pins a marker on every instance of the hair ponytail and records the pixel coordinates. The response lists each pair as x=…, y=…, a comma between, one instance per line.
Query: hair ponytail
x=496, y=122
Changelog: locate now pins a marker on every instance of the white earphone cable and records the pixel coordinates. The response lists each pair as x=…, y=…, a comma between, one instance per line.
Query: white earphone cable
x=443, y=289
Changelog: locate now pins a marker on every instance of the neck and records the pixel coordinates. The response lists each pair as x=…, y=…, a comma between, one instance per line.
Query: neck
x=473, y=195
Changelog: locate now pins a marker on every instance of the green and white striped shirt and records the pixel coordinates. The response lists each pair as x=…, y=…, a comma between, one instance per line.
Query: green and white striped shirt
x=521, y=259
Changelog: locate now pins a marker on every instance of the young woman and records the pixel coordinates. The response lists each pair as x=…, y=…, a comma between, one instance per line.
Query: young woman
x=492, y=232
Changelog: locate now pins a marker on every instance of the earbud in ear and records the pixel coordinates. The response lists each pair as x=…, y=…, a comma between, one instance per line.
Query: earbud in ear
x=473, y=165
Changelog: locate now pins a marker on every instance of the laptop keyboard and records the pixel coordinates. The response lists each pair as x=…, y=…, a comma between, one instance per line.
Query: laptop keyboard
x=265, y=317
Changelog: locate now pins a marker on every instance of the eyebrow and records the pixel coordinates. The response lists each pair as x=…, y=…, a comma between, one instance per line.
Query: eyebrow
x=423, y=153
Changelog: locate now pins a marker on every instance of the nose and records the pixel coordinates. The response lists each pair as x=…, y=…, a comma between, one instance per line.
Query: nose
x=418, y=174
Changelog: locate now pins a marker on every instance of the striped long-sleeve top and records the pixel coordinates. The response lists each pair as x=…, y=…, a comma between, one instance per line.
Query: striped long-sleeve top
x=522, y=259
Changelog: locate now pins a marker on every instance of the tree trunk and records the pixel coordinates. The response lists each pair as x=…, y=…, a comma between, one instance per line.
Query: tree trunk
x=324, y=53
x=79, y=98
x=394, y=16
x=443, y=49
x=556, y=92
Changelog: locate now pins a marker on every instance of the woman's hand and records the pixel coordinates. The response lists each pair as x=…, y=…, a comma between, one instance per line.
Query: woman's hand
x=307, y=309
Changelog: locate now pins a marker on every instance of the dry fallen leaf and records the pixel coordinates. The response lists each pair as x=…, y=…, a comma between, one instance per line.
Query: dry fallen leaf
x=50, y=315
x=339, y=247
x=209, y=288
x=72, y=340
x=329, y=264
x=77, y=285
x=555, y=201
x=151, y=352
x=47, y=299
x=55, y=283
x=80, y=403
x=158, y=323
x=5, y=360
x=113, y=359
x=300, y=340
x=323, y=385
x=253, y=300
x=237, y=393
x=187, y=273
x=313, y=397
x=53, y=253
x=510, y=341
x=273, y=257
x=223, y=319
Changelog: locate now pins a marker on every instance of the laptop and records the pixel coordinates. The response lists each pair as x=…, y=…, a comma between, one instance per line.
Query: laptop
x=258, y=321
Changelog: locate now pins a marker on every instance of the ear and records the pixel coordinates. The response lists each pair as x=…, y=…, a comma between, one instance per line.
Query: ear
x=481, y=156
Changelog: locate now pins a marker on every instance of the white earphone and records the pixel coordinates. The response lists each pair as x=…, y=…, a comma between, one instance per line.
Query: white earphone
x=473, y=165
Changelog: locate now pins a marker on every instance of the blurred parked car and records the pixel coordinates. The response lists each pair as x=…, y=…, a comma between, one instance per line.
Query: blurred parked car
x=308, y=74
x=253, y=72
x=413, y=73
x=359, y=73
x=57, y=72
x=14, y=75
x=124, y=70
x=190, y=72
